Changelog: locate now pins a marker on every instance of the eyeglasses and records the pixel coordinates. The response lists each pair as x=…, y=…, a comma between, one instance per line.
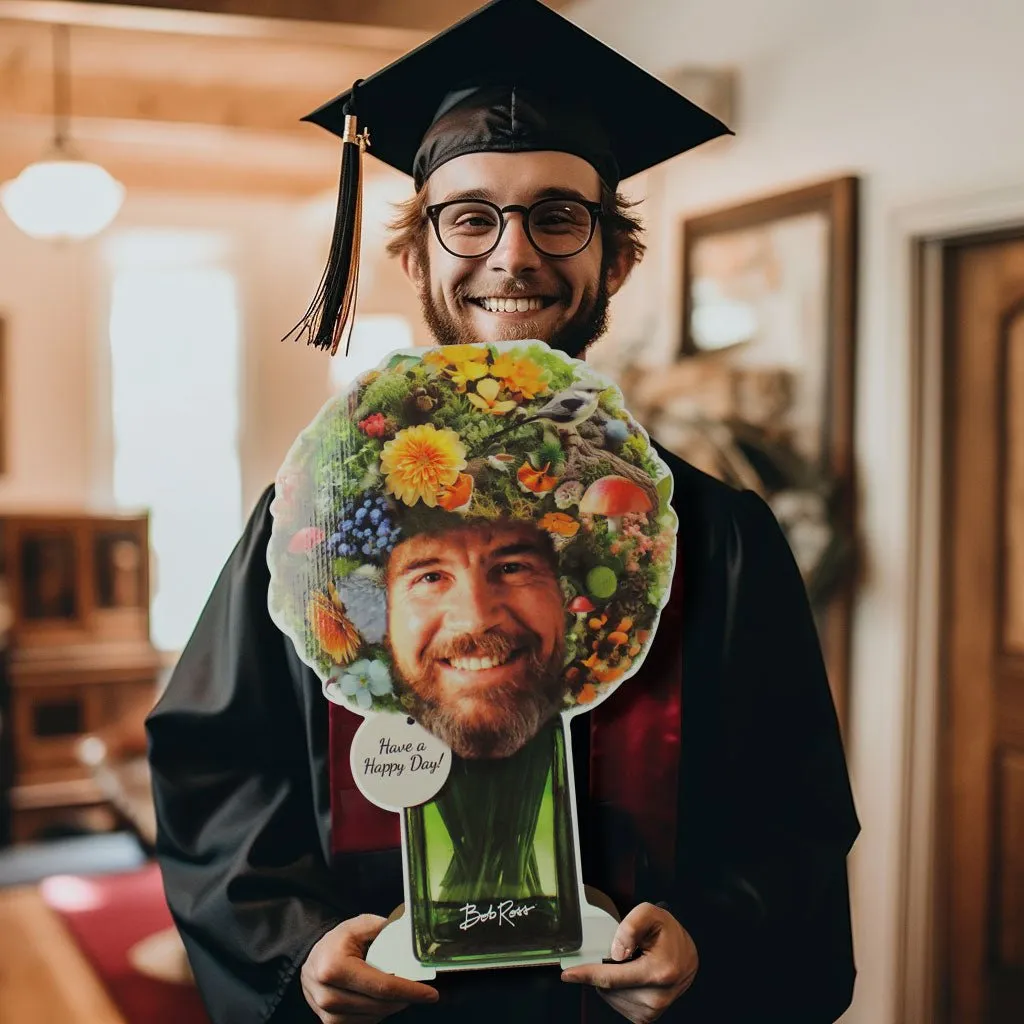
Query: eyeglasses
x=556, y=228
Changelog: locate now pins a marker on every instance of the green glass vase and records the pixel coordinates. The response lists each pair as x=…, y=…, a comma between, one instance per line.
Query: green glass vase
x=492, y=860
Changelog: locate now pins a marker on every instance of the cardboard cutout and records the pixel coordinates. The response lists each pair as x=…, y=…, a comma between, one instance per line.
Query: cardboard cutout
x=470, y=546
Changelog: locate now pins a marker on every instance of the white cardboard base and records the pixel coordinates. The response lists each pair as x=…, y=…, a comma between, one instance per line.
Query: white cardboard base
x=392, y=950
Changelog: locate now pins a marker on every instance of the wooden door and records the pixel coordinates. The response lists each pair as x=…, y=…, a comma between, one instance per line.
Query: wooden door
x=983, y=811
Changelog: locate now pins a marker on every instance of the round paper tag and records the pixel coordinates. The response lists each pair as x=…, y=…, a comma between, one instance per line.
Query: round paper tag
x=396, y=763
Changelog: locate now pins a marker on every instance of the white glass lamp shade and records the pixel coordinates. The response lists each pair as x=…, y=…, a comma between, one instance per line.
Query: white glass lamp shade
x=62, y=199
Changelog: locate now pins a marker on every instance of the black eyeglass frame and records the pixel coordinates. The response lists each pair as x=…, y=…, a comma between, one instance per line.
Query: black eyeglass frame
x=595, y=209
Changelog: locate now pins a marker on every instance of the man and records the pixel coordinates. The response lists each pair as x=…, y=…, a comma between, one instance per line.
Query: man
x=476, y=629
x=726, y=741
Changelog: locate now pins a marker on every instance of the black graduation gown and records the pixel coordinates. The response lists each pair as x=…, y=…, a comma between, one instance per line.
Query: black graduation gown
x=238, y=748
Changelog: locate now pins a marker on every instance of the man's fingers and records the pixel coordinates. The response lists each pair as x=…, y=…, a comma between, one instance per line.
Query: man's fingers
x=361, y=977
x=637, y=1011
x=338, y=1002
x=639, y=973
x=362, y=930
x=634, y=929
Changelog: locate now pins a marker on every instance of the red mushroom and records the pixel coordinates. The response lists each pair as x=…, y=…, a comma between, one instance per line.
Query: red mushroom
x=614, y=497
x=581, y=605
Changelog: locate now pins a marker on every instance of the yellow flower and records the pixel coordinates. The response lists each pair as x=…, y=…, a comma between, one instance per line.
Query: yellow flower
x=452, y=355
x=419, y=461
x=486, y=397
x=521, y=376
x=464, y=372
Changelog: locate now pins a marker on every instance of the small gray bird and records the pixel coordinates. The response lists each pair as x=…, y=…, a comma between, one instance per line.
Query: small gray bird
x=568, y=408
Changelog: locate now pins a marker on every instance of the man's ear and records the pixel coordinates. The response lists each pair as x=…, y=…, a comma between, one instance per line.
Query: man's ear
x=618, y=270
x=415, y=267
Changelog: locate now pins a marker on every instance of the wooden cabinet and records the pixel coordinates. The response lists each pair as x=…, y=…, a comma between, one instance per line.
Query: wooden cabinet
x=79, y=660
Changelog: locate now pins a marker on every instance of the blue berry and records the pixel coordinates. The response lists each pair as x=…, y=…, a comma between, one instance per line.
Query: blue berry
x=367, y=550
x=344, y=549
x=375, y=515
x=360, y=514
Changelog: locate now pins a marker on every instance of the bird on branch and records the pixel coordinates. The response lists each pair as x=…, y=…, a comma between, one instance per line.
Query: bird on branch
x=567, y=409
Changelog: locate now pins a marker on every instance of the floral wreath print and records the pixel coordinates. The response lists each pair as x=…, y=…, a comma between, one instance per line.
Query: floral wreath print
x=440, y=437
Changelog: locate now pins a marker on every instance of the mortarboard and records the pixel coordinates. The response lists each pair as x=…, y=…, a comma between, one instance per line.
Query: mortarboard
x=513, y=76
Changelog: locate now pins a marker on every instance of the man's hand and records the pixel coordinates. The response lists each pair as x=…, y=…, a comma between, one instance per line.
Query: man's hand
x=342, y=988
x=644, y=988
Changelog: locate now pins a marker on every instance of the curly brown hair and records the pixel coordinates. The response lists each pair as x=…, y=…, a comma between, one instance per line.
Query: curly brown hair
x=621, y=232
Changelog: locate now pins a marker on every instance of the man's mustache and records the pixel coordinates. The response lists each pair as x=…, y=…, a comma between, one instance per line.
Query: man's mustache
x=511, y=287
x=496, y=645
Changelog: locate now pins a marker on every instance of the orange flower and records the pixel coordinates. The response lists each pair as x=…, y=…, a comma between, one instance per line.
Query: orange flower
x=587, y=694
x=455, y=496
x=486, y=397
x=521, y=376
x=606, y=674
x=536, y=480
x=559, y=523
x=331, y=628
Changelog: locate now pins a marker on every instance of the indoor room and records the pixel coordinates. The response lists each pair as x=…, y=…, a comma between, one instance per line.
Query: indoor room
x=829, y=312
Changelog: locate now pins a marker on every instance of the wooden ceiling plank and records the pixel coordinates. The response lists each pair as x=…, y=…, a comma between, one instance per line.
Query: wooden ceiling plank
x=201, y=23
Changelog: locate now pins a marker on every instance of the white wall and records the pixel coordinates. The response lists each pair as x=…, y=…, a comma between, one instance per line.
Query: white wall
x=922, y=99
x=54, y=299
x=46, y=408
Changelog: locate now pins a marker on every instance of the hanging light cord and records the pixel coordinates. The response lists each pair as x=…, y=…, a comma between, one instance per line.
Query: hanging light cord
x=61, y=86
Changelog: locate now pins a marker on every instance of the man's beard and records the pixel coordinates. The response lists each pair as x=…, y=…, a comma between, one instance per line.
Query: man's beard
x=588, y=323
x=515, y=712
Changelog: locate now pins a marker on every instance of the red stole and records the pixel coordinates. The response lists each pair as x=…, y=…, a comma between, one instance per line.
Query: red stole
x=634, y=747
x=634, y=757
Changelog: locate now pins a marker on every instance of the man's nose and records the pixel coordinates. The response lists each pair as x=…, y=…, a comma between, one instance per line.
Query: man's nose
x=514, y=254
x=473, y=606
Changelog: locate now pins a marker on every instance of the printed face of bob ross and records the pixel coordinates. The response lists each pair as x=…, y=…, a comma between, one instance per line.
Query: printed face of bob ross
x=476, y=629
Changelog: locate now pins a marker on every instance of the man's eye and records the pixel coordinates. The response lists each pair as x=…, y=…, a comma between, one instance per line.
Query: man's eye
x=474, y=222
x=429, y=577
x=509, y=568
x=555, y=219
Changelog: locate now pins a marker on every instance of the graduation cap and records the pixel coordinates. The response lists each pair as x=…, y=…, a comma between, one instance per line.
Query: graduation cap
x=513, y=76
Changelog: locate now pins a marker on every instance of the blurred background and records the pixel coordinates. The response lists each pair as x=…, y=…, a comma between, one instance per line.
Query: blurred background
x=830, y=312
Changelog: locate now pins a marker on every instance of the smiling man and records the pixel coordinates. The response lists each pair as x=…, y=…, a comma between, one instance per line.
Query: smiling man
x=476, y=629
x=570, y=248
x=714, y=800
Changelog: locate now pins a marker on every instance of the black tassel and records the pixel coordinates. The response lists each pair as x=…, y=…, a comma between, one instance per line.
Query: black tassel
x=332, y=311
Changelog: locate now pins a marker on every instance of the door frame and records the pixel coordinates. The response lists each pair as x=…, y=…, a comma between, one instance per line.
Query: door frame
x=916, y=239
